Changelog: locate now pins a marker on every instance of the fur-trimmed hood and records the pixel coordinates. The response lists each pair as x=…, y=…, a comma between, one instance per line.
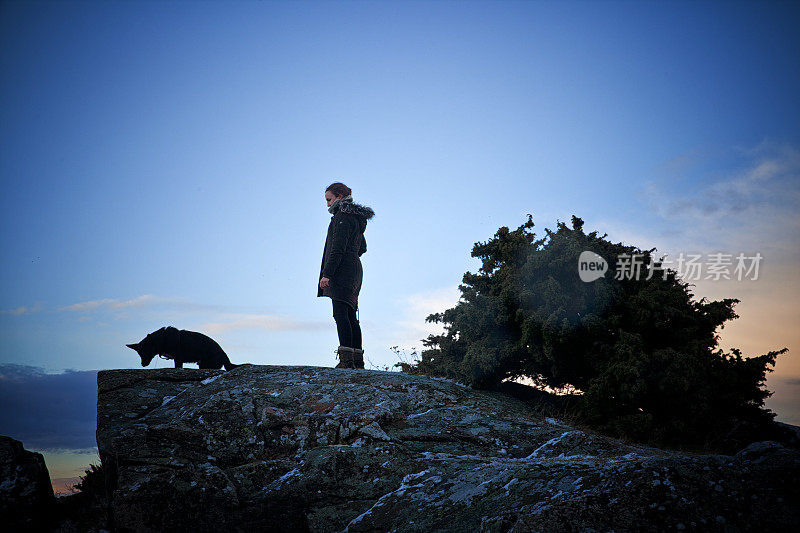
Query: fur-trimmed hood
x=362, y=212
x=348, y=206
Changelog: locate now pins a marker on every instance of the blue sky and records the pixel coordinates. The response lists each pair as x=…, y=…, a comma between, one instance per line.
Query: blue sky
x=165, y=162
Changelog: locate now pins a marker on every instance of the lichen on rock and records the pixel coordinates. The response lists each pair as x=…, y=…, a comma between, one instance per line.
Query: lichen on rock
x=317, y=449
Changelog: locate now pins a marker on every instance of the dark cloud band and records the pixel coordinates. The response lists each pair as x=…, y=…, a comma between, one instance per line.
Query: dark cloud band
x=48, y=411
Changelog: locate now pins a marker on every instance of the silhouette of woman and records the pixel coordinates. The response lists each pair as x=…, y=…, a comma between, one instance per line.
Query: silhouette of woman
x=341, y=272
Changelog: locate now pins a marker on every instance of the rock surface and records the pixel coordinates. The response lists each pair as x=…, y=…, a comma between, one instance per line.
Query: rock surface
x=275, y=448
x=26, y=495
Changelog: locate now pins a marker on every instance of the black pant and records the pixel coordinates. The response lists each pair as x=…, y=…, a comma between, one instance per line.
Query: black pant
x=346, y=324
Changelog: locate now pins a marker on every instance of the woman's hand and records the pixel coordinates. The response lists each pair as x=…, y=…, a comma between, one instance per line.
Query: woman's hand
x=324, y=283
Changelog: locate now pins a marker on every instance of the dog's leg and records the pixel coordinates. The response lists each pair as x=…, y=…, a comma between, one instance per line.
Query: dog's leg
x=178, y=364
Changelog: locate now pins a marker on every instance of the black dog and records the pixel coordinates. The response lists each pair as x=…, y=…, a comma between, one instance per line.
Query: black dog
x=184, y=347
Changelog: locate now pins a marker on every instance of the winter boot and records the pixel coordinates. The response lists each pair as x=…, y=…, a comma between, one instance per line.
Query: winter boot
x=358, y=358
x=345, y=357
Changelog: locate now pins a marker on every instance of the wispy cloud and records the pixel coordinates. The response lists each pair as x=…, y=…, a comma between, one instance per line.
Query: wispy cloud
x=412, y=328
x=110, y=303
x=217, y=318
x=231, y=322
x=22, y=310
x=744, y=206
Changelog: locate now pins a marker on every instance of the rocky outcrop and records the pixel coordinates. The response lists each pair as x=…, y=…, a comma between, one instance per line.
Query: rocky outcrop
x=26, y=495
x=270, y=448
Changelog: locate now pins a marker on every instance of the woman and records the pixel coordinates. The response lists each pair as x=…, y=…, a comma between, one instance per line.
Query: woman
x=341, y=273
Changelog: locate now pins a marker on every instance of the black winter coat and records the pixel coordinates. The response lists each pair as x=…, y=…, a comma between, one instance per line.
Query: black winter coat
x=344, y=245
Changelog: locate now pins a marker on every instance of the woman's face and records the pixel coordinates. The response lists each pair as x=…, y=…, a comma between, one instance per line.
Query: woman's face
x=330, y=197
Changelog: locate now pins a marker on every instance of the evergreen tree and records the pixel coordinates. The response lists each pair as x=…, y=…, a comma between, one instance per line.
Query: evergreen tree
x=641, y=349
